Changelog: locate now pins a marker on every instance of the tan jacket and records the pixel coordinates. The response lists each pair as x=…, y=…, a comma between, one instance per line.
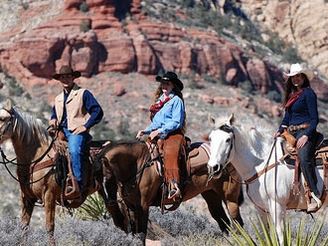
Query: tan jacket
x=76, y=113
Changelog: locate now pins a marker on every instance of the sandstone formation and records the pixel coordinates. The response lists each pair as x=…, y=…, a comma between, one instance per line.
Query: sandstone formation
x=301, y=23
x=97, y=41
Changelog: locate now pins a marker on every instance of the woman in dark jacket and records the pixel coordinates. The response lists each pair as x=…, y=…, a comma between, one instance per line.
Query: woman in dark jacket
x=301, y=120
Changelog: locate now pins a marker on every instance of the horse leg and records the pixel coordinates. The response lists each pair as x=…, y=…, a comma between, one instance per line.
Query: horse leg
x=277, y=214
x=110, y=199
x=49, y=208
x=141, y=223
x=234, y=212
x=214, y=203
x=27, y=210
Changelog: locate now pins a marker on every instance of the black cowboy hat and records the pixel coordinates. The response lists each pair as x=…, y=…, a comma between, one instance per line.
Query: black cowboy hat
x=66, y=70
x=170, y=76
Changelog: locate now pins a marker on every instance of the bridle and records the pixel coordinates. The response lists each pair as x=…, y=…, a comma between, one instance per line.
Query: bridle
x=228, y=129
x=5, y=161
x=12, y=120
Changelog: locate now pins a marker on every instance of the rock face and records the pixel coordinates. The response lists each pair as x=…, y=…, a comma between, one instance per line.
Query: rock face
x=94, y=40
x=302, y=23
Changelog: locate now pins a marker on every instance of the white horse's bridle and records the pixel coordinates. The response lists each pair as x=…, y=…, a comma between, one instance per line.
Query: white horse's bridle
x=228, y=129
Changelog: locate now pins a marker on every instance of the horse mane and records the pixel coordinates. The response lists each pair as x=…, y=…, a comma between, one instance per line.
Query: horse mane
x=29, y=128
x=252, y=138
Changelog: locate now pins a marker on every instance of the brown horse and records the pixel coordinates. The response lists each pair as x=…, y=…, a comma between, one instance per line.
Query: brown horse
x=32, y=145
x=139, y=184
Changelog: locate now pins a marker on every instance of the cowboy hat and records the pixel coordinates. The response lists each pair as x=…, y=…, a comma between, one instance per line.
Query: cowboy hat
x=66, y=70
x=297, y=69
x=170, y=76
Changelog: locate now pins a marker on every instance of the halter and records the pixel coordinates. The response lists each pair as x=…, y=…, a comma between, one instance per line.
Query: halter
x=228, y=129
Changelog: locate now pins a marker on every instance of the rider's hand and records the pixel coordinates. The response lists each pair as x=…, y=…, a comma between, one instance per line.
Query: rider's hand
x=79, y=130
x=139, y=135
x=53, y=123
x=302, y=141
x=154, y=134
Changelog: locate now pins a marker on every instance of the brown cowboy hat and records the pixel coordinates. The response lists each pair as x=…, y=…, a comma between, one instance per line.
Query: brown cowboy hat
x=170, y=76
x=66, y=70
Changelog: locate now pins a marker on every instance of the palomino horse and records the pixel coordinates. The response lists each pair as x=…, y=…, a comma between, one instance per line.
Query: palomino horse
x=269, y=181
x=31, y=143
x=139, y=186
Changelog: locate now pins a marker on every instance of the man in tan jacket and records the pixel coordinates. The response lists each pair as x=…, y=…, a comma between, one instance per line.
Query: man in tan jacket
x=75, y=112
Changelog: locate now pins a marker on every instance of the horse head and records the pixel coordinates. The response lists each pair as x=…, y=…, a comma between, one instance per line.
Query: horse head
x=8, y=121
x=221, y=144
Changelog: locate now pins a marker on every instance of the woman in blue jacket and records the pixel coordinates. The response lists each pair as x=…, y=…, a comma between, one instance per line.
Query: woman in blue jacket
x=167, y=125
x=301, y=120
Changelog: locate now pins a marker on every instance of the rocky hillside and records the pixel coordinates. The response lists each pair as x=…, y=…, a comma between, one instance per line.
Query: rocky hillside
x=301, y=23
x=214, y=54
x=224, y=54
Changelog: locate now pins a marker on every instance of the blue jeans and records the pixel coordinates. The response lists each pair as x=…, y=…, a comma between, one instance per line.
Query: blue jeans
x=306, y=155
x=77, y=150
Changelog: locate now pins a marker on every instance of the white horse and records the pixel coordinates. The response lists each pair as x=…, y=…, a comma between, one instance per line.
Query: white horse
x=269, y=181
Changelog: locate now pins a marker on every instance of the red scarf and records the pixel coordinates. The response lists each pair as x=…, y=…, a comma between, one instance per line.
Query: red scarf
x=154, y=108
x=293, y=97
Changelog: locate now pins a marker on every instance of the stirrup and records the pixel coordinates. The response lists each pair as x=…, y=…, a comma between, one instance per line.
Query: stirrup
x=175, y=191
x=318, y=201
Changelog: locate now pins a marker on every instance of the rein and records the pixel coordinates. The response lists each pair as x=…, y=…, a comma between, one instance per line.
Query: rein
x=5, y=161
x=137, y=178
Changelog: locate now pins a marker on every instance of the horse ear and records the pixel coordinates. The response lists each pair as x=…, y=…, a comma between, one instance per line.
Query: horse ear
x=231, y=119
x=211, y=119
x=8, y=105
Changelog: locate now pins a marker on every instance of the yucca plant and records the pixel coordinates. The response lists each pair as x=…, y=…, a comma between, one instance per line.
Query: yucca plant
x=267, y=236
x=92, y=209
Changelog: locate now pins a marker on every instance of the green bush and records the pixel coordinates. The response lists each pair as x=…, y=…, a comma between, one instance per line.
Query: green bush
x=85, y=25
x=84, y=7
x=274, y=96
x=246, y=85
x=92, y=209
x=14, y=88
x=266, y=235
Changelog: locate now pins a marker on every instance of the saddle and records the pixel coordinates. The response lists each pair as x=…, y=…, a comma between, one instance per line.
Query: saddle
x=320, y=160
x=198, y=156
x=92, y=172
x=71, y=196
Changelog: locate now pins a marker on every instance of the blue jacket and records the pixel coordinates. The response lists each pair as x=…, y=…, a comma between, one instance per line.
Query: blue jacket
x=169, y=118
x=304, y=110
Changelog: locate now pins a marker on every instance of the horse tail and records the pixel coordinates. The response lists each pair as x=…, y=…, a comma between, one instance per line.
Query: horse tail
x=241, y=197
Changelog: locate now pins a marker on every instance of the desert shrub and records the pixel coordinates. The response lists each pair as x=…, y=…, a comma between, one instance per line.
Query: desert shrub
x=274, y=96
x=72, y=231
x=188, y=3
x=124, y=129
x=92, y=209
x=291, y=55
x=14, y=88
x=84, y=7
x=25, y=5
x=267, y=235
x=247, y=86
x=192, y=224
x=102, y=132
x=85, y=25
x=211, y=79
